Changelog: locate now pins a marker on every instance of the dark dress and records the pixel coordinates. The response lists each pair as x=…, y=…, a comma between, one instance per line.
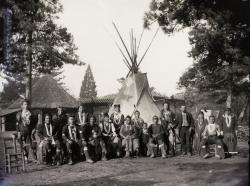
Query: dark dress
x=199, y=129
x=229, y=128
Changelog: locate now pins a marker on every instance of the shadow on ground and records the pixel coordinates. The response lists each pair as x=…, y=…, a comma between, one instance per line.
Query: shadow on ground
x=106, y=181
x=219, y=172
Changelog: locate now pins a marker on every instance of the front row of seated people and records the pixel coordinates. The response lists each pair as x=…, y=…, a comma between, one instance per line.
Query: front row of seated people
x=80, y=136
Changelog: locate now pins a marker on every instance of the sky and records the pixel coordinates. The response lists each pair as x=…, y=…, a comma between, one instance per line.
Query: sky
x=90, y=23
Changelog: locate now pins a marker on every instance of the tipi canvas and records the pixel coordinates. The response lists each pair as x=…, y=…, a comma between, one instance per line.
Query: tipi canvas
x=135, y=95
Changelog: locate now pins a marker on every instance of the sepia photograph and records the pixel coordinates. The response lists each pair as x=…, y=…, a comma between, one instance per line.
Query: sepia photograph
x=124, y=92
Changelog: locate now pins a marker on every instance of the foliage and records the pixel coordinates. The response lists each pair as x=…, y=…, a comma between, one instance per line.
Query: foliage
x=220, y=39
x=37, y=38
x=88, y=88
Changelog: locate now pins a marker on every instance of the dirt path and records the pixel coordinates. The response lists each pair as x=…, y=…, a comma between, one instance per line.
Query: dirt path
x=179, y=170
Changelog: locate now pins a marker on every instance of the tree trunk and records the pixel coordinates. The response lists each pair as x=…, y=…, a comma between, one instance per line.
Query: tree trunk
x=29, y=71
x=229, y=98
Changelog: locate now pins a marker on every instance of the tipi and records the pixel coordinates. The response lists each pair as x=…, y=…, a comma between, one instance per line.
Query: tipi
x=135, y=93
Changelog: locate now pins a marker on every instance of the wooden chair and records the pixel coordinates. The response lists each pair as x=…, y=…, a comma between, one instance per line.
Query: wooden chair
x=212, y=149
x=14, y=158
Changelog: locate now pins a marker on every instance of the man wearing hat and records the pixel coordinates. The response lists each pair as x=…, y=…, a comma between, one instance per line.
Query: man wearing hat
x=229, y=130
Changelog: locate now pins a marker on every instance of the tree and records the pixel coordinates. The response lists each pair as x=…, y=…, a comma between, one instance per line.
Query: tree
x=220, y=39
x=88, y=88
x=12, y=89
x=38, y=44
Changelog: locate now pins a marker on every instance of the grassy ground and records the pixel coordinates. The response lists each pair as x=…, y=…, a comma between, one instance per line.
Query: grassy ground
x=180, y=170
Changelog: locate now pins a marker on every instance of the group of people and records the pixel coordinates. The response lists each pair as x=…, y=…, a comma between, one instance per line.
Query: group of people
x=74, y=137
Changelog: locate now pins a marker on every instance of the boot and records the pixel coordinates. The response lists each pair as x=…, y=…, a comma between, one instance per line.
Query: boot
x=219, y=152
x=70, y=159
x=152, y=155
x=127, y=154
x=88, y=159
x=163, y=151
x=136, y=153
x=104, y=158
x=58, y=158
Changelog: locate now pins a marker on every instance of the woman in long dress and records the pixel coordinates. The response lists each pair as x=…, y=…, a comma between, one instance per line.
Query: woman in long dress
x=200, y=125
x=229, y=128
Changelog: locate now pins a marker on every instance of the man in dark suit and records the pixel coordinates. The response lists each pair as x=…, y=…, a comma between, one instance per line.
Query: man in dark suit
x=48, y=135
x=72, y=138
x=186, y=126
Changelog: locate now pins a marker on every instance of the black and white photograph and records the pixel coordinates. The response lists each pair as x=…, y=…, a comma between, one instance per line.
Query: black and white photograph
x=124, y=92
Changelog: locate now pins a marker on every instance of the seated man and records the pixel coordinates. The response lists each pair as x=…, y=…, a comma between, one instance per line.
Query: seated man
x=138, y=122
x=109, y=136
x=72, y=138
x=156, y=134
x=85, y=131
x=211, y=136
x=130, y=139
x=49, y=140
x=96, y=141
x=144, y=140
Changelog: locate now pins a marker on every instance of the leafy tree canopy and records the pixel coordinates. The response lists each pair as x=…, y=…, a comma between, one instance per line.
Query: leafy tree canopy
x=35, y=32
x=220, y=39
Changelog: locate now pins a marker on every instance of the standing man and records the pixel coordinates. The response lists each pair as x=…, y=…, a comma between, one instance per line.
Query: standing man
x=82, y=116
x=23, y=128
x=186, y=126
x=229, y=130
x=200, y=124
x=169, y=125
x=59, y=121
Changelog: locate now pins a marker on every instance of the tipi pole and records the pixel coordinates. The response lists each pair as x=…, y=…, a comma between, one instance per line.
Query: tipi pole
x=125, y=58
x=148, y=47
x=122, y=41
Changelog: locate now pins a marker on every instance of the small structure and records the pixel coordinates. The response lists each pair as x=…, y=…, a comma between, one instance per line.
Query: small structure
x=46, y=95
x=97, y=105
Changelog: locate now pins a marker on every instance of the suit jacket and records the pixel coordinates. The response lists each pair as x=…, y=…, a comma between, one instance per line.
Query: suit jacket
x=190, y=119
x=23, y=123
x=78, y=119
x=172, y=116
x=66, y=133
x=42, y=133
